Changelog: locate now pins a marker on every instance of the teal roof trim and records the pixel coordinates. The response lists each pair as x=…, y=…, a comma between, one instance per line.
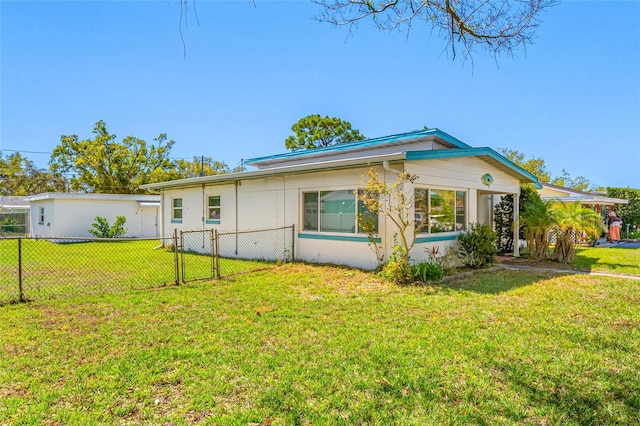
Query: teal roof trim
x=362, y=144
x=321, y=236
x=436, y=238
x=471, y=152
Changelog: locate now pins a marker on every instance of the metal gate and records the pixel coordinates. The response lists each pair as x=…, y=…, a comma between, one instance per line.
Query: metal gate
x=198, y=253
x=198, y=260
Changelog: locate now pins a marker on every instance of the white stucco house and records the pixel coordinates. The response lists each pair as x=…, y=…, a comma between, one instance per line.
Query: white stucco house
x=313, y=190
x=70, y=214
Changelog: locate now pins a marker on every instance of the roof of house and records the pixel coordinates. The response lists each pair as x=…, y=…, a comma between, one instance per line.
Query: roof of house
x=13, y=202
x=400, y=142
x=485, y=154
x=560, y=193
x=87, y=196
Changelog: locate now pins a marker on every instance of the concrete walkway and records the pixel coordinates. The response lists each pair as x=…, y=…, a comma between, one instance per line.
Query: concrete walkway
x=513, y=267
x=622, y=244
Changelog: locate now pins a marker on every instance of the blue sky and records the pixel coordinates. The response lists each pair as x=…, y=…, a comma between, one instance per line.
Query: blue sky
x=572, y=98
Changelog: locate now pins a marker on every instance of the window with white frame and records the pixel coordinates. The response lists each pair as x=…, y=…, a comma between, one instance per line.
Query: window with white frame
x=213, y=209
x=176, y=210
x=41, y=215
x=440, y=210
x=335, y=211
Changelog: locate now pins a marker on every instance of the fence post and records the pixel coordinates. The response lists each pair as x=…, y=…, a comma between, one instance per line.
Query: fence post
x=217, y=252
x=175, y=257
x=293, y=242
x=20, y=269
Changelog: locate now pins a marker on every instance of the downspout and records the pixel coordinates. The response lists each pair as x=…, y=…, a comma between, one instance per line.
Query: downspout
x=516, y=225
x=237, y=183
x=204, y=215
x=161, y=218
x=388, y=168
x=204, y=208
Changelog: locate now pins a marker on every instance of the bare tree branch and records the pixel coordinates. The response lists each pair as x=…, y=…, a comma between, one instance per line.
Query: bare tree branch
x=499, y=26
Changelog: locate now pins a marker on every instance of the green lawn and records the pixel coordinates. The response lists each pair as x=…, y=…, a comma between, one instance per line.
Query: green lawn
x=304, y=344
x=611, y=260
x=52, y=270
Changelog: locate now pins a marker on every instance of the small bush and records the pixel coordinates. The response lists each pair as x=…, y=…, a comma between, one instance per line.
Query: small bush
x=101, y=229
x=10, y=226
x=426, y=272
x=397, y=270
x=478, y=246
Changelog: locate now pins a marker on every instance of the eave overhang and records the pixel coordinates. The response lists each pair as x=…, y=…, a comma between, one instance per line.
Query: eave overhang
x=486, y=154
x=276, y=171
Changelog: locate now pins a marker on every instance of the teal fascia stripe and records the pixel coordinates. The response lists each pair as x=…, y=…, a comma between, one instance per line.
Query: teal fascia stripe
x=176, y=220
x=213, y=222
x=471, y=152
x=448, y=237
x=338, y=238
x=363, y=144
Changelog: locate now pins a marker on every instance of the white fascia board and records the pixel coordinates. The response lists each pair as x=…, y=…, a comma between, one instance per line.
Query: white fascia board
x=277, y=171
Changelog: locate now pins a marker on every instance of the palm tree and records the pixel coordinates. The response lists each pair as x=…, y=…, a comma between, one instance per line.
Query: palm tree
x=537, y=218
x=572, y=219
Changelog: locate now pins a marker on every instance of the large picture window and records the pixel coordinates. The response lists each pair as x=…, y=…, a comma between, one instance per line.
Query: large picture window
x=440, y=210
x=335, y=211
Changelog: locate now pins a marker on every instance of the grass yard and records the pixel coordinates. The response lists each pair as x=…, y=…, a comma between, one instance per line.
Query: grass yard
x=52, y=270
x=612, y=260
x=301, y=344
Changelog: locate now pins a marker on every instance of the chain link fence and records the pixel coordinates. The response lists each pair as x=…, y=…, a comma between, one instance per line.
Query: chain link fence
x=206, y=254
x=34, y=269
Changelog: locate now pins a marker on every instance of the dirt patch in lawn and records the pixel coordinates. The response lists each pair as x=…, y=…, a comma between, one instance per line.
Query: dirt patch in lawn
x=533, y=263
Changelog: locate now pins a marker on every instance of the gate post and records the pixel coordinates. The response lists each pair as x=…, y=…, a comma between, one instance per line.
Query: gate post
x=20, y=270
x=176, y=267
x=216, y=252
x=293, y=243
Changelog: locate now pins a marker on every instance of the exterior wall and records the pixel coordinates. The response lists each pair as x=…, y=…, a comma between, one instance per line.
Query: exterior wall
x=272, y=203
x=73, y=217
x=277, y=201
x=462, y=174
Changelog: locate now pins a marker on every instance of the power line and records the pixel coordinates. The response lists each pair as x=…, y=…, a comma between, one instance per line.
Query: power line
x=27, y=152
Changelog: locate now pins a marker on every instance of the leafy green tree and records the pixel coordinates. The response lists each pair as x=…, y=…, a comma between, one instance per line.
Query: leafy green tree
x=629, y=213
x=499, y=26
x=579, y=183
x=314, y=131
x=535, y=166
x=100, y=227
x=200, y=166
x=103, y=165
x=572, y=220
x=19, y=176
x=503, y=217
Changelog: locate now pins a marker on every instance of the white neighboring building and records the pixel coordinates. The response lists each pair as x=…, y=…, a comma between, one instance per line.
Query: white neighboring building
x=313, y=190
x=15, y=209
x=598, y=201
x=71, y=214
